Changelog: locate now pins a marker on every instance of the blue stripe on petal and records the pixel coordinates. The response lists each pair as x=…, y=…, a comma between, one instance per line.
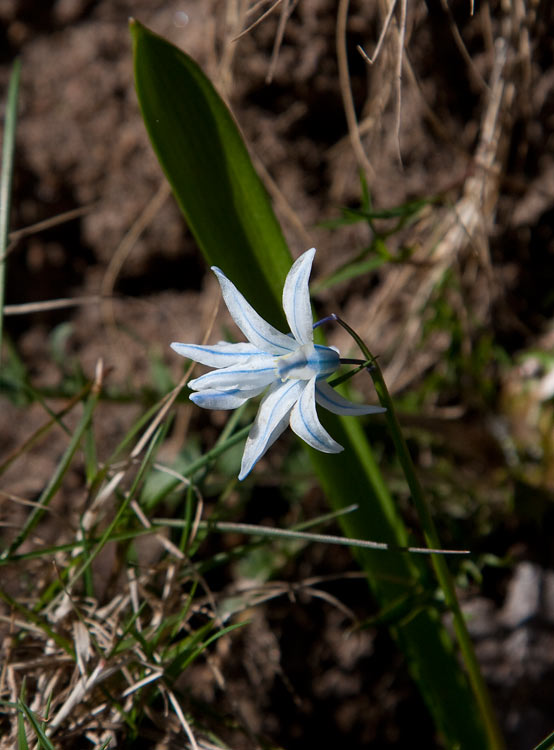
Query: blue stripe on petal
x=334, y=402
x=296, y=298
x=270, y=422
x=305, y=423
x=216, y=355
x=259, y=332
x=228, y=399
x=258, y=370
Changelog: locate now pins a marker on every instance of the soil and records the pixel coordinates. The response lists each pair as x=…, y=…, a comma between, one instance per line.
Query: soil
x=81, y=145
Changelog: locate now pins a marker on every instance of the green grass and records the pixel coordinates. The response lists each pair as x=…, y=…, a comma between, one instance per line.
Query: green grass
x=118, y=652
x=115, y=618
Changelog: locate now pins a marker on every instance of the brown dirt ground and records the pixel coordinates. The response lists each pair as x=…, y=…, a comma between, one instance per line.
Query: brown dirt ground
x=81, y=144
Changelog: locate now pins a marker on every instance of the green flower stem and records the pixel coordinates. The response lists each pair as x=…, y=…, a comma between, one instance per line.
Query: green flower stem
x=480, y=690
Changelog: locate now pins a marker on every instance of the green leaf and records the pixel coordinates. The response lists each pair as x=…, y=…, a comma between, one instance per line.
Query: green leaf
x=227, y=208
x=206, y=162
x=6, y=173
x=22, y=743
x=43, y=742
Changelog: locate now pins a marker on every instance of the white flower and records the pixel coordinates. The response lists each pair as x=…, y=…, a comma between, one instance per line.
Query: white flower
x=291, y=365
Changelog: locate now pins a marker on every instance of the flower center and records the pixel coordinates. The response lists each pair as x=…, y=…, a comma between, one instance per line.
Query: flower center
x=306, y=361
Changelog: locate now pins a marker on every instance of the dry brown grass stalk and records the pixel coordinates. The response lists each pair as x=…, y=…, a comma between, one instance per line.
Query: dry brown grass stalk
x=458, y=236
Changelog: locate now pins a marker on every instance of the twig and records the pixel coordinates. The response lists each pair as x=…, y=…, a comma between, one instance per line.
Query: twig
x=259, y=20
x=399, y=61
x=28, y=308
x=126, y=245
x=285, y=13
x=460, y=44
x=346, y=91
x=381, y=39
x=53, y=221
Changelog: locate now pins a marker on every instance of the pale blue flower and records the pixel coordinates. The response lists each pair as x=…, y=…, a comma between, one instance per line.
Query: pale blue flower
x=290, y=366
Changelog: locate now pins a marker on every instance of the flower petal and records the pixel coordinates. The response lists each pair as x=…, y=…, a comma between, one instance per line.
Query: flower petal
x=221, y=354
x=304, y=421
x=296, y=298
x=229, y=399
x=270, y=421
x=259, y=332
x=334, y=402
x=257, y=370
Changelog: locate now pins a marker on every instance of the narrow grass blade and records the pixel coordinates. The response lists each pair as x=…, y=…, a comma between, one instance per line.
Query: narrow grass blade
x=547, y=743
x=31, y=616
x=56, y=419
x=57, y=478
x=43, y=741
x=268, y=531
x=187, y=650
x=8, y=148
x=349, y=271
x=22, y=743
x=106, y=536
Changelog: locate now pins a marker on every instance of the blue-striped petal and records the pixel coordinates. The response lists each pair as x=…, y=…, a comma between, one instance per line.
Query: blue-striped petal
x=270, y=422
x=334, y=402
x=296, y=298
x=254, y=371
x=304, y=421
x=259, y=332
x=219, y=399
x=221, y=354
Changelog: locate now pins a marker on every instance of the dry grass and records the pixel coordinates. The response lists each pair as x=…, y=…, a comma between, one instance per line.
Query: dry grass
x=95, y=632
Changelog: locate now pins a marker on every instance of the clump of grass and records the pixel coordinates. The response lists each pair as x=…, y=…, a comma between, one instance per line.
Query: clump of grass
x=105, y=627
x=102, y=626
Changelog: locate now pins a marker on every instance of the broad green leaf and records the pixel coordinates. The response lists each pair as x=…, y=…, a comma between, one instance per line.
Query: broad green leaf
x=206, y=162
x=226, y=206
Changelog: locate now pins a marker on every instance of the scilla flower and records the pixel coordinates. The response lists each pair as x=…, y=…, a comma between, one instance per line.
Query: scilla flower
x=291, y=367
